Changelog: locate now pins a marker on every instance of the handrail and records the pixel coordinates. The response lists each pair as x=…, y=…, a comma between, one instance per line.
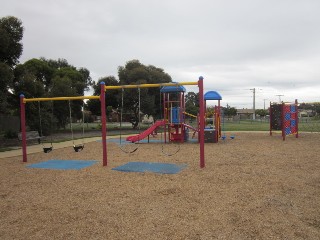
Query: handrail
x=189, y=114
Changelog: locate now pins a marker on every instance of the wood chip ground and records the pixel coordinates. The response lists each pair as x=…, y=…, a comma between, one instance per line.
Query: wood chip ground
x=253, y=187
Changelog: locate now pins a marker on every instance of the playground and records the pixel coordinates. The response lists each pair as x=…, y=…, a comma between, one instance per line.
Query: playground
x=169, y=181
x=254, y=186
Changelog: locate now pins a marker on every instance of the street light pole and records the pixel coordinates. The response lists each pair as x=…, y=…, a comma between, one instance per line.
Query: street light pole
x=254, y=103
x=279, y=95
x=264, y=103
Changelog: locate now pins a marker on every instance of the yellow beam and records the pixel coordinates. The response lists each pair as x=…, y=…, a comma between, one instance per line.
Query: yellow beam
x=150, y=85
x=60, y=98
x=189, y=114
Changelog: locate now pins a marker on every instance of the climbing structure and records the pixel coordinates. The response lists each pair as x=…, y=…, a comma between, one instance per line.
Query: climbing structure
x=173, y=105
x=284, y=117
x=216, y=131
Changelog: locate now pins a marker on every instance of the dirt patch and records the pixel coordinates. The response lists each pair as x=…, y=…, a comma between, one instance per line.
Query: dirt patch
x=253, y=187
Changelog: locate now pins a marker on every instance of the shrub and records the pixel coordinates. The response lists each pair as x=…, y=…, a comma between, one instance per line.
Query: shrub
x=10, y=134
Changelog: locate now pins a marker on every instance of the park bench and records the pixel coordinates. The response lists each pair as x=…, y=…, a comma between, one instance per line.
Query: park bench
x=31, y=135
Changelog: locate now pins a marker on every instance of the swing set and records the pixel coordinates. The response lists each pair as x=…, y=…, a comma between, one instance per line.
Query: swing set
x=125, y=147
x=102, y=98
x=45, y=148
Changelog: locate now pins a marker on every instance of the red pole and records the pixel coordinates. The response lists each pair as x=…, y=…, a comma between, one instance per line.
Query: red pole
x=181, y=117
x=23, y=128
x=201, y=131
x=165, y=116
x=219, y=119
x=282, y=122
x=296, y=116
x=103, y=123
x=270, y=120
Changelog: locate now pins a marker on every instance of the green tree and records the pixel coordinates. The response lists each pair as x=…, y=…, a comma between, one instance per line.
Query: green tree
x=11, y=33
x=49, y=78
x=210, y=111
x=112, y=96
x=6, y=79
x=192, y=103
x=262, y=112
x=63, y=87
x=135, y=72
x=229, y=111
x=26, y=83
x=68, y=81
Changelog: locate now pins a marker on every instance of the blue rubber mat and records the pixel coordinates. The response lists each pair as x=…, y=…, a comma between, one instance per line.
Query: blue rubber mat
x=117, y=140
x=164, y=168
x=63, y=164
x=123, y=142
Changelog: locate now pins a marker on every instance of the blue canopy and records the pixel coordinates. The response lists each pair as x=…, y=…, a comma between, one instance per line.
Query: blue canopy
x=212, y=95
x=168, y=89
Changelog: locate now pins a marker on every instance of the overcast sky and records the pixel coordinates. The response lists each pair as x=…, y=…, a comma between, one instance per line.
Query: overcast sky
x=236, y=45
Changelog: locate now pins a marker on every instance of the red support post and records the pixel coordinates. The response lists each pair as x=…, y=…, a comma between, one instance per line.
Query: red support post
x=201, y=130
x=270, y=120
x=219, y=120
x=165, y=116
x=181, y=118
x=103, y=123
x=23, y=128
x=283, y=127
x=297, y=119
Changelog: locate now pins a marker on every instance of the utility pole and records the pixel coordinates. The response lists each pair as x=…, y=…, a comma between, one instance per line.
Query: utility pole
x=279, y=95
x=264, y=103
x=254, y=103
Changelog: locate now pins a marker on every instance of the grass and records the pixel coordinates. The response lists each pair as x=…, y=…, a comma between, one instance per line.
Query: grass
x=248, y=125
x=305, y=125
x=5, y=149
x=245, y=126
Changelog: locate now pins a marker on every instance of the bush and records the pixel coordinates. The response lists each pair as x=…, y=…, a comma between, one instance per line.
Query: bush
x=10, y=134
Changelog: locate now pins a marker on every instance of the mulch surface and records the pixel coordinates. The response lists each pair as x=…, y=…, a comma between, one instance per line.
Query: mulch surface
x=253, y=187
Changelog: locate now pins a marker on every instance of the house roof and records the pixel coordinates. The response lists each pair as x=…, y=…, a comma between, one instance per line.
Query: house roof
x=245, y=111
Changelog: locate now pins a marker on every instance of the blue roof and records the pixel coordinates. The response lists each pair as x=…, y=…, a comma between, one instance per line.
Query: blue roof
x=168, y=89
x=212, y=95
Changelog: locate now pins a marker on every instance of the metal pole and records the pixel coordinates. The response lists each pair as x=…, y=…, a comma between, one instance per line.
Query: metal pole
x=103, y=123
x=264, y=103
x=155, y=85
x=201, y=131
x=254, y=103
x=59, y=98
x=23, y=128
x=279, y=95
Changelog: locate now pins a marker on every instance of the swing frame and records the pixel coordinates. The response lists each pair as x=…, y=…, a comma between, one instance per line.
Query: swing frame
x=102, y=98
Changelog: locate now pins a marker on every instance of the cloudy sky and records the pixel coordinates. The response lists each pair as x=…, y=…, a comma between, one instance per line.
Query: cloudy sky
x=270, y=45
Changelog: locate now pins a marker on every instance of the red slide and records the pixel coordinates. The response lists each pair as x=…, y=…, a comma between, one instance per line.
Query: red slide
x=146, y=132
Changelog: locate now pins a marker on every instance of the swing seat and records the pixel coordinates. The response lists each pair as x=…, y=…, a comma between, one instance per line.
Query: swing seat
x=47, y=149
x=78, y=148
x=128, y=150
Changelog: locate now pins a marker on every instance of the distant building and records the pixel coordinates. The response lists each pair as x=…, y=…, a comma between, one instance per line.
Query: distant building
x=245, y=113
x=306, y=113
